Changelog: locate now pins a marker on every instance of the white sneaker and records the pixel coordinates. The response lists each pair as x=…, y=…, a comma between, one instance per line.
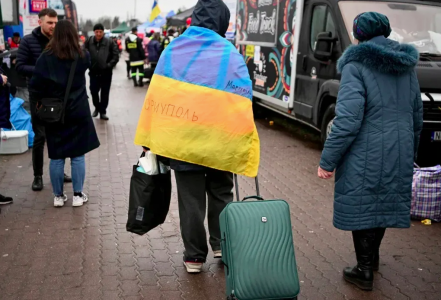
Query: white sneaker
x=217, y=253
x=79, y=200
x=193, y=267
x=59, y=201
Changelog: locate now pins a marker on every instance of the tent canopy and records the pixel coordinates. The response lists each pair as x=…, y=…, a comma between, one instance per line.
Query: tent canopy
x=122, y=28
x=143, y=27
x=156, y=24
x=170, y=14
x=180, y=19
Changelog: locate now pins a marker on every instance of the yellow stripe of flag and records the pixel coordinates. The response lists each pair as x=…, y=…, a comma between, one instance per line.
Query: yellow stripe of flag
x=156, y=11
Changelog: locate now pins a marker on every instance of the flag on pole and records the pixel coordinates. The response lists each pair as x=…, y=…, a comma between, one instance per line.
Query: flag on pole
x=155, y=11
x=198, y=108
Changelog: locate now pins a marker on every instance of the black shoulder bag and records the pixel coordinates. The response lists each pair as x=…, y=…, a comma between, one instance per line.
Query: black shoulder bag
x=52, y=110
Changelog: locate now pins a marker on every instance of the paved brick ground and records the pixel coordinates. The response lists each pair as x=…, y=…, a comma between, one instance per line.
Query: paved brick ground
x=86, y=253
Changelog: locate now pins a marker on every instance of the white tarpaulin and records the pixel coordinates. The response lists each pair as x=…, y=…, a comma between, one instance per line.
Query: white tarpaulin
x=232, y=6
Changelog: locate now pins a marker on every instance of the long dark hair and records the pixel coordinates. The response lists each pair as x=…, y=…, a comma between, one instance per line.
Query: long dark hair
x=157, y=36
x=65, y=43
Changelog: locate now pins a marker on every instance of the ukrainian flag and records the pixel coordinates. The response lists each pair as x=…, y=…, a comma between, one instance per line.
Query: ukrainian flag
x=198, y=108
x=156, y=11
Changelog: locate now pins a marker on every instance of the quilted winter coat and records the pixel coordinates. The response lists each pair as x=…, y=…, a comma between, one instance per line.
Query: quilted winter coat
x=375, y=135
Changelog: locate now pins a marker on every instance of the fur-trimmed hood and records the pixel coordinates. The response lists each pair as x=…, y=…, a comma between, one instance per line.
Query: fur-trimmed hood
x=381, y=54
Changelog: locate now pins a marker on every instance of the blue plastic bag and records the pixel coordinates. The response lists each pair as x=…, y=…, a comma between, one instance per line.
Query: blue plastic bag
x=20, y=118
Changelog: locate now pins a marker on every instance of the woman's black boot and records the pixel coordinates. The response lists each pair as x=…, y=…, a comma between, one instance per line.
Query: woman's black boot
x=362, y=275
x=379, y=234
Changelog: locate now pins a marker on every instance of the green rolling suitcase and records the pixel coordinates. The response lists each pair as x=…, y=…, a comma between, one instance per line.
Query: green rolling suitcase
x=258, y=250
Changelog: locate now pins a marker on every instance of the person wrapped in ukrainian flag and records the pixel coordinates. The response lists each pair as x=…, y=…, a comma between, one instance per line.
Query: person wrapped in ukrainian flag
x=198, y=112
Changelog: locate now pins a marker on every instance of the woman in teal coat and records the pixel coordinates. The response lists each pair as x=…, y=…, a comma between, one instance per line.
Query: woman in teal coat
x=373, y=141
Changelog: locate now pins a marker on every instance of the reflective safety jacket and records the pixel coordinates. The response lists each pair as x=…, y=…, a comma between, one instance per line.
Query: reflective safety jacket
x=167, y=40
x=135, y=49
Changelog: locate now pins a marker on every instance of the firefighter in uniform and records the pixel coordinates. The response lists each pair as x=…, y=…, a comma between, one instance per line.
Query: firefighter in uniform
x=168, y=39
x=136, y=56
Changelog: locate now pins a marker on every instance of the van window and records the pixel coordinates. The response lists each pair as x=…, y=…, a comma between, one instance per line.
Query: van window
x=321, y=22
x=438, y=23
x=412, y=23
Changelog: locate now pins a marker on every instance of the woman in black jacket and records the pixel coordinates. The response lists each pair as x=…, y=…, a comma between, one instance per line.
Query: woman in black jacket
x=77, y=135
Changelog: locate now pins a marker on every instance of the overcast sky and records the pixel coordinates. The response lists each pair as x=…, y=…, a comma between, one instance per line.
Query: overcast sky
x=98, y=8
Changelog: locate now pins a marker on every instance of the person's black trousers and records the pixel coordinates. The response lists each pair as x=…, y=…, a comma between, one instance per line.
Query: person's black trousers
x=100, y=82
x=138, y=74
x=367, y=246
x=129, y=68
x=39, y=141
x=193, y=189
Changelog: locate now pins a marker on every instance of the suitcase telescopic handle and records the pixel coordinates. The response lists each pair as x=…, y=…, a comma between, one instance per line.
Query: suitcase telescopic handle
x=257, y=197
x=253, y=197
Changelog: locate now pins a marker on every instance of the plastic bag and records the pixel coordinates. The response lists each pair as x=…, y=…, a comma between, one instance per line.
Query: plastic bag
x=149, y=163
x=20, y=119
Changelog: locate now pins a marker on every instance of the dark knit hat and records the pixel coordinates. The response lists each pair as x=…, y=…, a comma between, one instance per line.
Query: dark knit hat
x=369, y=25
x=98, y=26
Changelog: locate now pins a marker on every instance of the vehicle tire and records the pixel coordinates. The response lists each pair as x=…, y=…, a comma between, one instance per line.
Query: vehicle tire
x=259, y=112
x=328, y=118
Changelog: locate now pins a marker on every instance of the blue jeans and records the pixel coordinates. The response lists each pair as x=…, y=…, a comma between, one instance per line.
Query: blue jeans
x=56, y=170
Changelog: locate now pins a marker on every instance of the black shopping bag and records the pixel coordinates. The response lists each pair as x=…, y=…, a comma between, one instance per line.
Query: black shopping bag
x=149, y=201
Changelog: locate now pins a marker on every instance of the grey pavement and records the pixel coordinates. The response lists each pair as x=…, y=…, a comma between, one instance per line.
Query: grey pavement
x=86, y=253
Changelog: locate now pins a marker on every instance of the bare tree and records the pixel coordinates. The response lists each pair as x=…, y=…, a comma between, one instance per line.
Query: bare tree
x=88, y=26
x=115, y=22
x=181, y=9
x=106, y=21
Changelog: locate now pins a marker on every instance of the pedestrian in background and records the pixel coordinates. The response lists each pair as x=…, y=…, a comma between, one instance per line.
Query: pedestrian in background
x=19, y=86
x=119, y=44
x=134, y=46
x=188, y=24
x=104, y=57
x=76, y=136
x=30, y=49
x=168, y=39
x=147, y=39
x=15, y=41
x=374, y=141
x=154, y=48
x=5, y=115
x=129, y=69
